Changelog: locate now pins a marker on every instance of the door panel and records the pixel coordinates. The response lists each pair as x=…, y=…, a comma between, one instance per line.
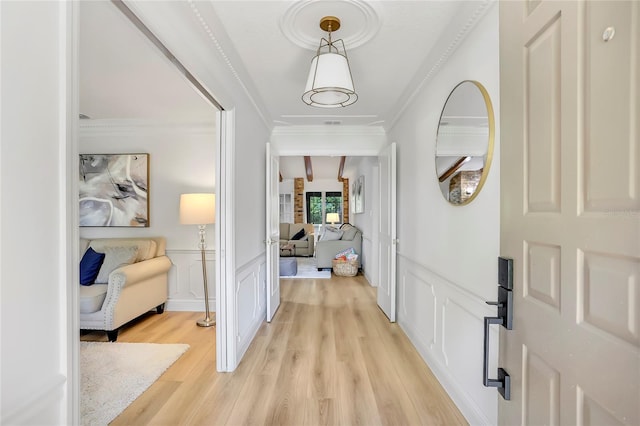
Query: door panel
x=542, y=68
x=387, y=232
x=611, y=96
x=570, y=211
x=272, y=238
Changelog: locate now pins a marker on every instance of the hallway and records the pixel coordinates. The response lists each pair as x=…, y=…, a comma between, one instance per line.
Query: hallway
x=329, y=357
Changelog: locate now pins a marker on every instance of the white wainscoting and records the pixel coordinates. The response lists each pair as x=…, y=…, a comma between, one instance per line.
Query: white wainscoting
x=446, y=325
x=186, y=289
x=250, y=302
x=368, y=262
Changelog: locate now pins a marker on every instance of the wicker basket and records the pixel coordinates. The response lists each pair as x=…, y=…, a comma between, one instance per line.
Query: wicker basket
x=345, y=268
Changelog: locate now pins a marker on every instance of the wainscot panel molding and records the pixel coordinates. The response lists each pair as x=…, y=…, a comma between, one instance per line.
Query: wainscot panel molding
x=186, y=289
x=366, y=262
x=250, y=301
x=445, y=323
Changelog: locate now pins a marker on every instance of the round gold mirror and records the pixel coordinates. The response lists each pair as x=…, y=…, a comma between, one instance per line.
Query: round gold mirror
x=464, y=145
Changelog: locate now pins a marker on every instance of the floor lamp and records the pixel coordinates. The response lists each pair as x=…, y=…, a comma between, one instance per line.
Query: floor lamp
x=200, y=209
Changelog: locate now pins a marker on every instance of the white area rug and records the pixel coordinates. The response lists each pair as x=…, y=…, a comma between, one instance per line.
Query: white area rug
x=307, y=269
x=113, y=375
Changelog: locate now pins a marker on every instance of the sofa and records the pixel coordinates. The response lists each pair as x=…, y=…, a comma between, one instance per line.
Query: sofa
x=132, y=279
x=334, y=241
x=304, y=245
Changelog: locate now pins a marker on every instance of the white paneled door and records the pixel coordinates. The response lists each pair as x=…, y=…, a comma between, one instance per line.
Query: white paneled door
x=570, y=215
x=272, y=234
x=387, y=232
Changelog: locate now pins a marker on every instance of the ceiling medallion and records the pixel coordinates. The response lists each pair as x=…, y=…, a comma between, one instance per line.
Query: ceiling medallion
x=300, y=20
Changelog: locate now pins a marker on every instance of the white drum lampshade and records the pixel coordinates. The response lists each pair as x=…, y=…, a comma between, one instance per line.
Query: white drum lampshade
x=197, y=209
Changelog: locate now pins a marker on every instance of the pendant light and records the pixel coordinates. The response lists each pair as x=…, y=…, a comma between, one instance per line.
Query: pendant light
x=330, y=84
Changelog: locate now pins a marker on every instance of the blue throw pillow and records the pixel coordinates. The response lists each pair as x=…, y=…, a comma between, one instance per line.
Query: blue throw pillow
x=90, y=266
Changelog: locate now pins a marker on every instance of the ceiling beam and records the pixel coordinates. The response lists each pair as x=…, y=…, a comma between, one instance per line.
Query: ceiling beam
x=454, y=168
x=341, y=168
x=308, y=168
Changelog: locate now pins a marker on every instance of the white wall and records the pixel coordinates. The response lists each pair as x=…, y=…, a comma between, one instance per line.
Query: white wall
x=36, y=293
x=447, y=255
x=250, y=226
x=367, y=221
x=181, y=160
x=193, y=32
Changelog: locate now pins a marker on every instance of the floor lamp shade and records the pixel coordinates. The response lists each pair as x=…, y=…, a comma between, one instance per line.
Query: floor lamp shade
x=197, y=209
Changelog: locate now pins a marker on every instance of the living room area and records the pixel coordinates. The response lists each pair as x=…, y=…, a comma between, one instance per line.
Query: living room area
x=320, y=199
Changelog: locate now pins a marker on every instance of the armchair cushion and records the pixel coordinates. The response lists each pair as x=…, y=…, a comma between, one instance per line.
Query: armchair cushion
x=92, y=298
x=114, y=258
x=90, y=266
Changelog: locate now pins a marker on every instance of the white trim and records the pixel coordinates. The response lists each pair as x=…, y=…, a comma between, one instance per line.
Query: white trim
x=225, y=264
x=208, y=252
x=187, y=305
x=328, y=140
x=252, y=270
x=433, y=352
x=446, y=45
x=122, y=125
x=69, y=232
x=211, y=22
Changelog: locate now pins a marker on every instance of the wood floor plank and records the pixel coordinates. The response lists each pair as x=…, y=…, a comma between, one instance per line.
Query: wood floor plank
x=329, y=357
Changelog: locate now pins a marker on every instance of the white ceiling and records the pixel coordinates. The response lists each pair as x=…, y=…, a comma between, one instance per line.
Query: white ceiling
x=124, y=76
x=393, y=47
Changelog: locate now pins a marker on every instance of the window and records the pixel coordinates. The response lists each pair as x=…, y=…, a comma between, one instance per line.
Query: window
x=333, y=204
x=314, y=207
x=319, y=204
x=286, y=208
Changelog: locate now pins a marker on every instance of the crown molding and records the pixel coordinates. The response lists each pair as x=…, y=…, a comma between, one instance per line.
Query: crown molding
x=437, y=59
x=329, y=130
x=328, y=140
x=205, y=25
x=131, y=125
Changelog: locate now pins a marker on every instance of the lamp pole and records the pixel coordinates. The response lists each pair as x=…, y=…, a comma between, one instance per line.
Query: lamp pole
x=207, y=321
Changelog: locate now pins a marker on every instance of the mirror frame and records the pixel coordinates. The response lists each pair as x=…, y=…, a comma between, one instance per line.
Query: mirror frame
x=490, y=142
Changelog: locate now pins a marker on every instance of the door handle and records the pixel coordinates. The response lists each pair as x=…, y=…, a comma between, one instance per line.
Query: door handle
x=503, y=382
x=505, y=319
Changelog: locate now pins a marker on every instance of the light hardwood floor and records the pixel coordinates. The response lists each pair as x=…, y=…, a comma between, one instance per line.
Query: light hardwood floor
x=330, y=357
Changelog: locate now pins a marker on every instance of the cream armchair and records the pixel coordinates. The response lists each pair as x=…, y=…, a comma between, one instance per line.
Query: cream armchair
x=135, y=271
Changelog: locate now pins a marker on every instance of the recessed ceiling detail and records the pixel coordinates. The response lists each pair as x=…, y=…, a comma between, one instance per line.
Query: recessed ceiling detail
x=360, y=22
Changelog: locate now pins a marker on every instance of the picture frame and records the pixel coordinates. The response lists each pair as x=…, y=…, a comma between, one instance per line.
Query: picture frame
x=357, y=191
x=114, y=190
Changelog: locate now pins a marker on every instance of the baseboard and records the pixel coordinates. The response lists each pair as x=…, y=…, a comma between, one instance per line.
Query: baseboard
x=467, y=407
x=186, y=305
